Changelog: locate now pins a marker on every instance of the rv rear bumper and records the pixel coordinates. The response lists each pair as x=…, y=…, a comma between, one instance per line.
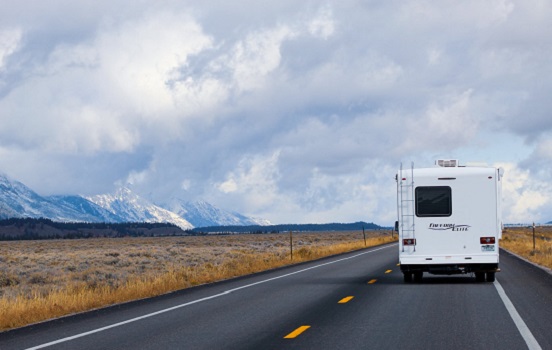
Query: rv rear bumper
x=450, y=269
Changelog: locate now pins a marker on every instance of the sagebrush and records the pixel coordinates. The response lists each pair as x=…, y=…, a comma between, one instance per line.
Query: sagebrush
x=520, y=241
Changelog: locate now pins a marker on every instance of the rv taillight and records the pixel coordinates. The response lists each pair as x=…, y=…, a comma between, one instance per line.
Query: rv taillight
x=409, y=241
x=487, y=240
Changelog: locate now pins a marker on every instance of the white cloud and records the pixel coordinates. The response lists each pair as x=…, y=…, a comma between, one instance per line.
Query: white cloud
x=452, y=120
x=136, y=177
x=446, y=123
x=322, y=25
x=104, y=95
x=543, y=150
x=254, y=58
x=525, y=196
x=228, y=186
x=10, y=40
x=434, y=56
x=254, y=180
x=186, y=184
x=142, y=56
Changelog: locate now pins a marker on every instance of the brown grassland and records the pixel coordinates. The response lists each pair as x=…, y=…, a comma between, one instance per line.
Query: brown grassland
x=519, y=240
x=40, y=280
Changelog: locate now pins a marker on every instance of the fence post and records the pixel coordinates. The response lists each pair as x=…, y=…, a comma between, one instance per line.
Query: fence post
x=534, y=237
x=364, y=234
x=291, y=244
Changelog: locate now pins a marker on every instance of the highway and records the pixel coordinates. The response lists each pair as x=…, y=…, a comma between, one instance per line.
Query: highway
x=352, y=301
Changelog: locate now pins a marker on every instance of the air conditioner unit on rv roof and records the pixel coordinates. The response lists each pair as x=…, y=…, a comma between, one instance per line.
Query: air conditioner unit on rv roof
x=447, y=163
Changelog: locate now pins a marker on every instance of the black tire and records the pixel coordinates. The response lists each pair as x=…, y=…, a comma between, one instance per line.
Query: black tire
x=407, y=277
x=418, y=275
x=480, y=276
x=490, y=276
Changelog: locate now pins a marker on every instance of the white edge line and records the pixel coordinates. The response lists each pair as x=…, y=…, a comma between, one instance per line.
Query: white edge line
x=80, y=335
x=520, y=324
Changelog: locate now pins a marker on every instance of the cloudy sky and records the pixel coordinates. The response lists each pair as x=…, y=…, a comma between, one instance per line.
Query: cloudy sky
x=293, y=111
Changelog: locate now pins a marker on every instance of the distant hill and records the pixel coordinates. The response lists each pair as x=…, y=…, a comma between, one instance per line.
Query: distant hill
x=41, y=228
x=29, y=228
x=289, y=227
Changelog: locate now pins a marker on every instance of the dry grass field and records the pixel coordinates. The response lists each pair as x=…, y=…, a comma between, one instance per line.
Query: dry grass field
x=40, y=280
x=520, y=241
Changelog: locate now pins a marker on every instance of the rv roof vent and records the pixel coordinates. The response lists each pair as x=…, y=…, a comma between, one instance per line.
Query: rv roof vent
x=447, y=163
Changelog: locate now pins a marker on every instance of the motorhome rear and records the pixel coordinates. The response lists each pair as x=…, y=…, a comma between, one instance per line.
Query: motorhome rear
x=449, y=220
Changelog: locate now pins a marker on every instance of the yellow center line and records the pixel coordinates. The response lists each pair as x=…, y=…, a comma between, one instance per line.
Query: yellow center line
x=388, y=271
x=345, y=300
x=372, y=281
x=296, y=332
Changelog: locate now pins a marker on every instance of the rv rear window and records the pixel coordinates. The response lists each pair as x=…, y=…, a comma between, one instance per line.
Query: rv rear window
x=433, y=201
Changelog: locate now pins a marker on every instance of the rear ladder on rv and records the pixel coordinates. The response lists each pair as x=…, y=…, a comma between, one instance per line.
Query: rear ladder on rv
x=407, y=206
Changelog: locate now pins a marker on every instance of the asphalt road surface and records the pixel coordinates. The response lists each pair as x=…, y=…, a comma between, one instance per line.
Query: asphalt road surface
x=353, y=301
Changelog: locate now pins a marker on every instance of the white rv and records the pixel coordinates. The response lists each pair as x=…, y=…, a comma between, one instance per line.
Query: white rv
x=449, y=220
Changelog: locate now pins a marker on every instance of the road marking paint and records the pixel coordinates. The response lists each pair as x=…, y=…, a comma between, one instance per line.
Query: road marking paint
x=388, y=271
x=296, y=332
x=372, y=281
x=345, y=300
x=97, y=330
x=530, y=340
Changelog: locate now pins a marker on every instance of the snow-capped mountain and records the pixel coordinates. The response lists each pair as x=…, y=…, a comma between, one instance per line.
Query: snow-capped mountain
x=133, y=208
x=18, y=200
x=89, y=211
x=202, y=214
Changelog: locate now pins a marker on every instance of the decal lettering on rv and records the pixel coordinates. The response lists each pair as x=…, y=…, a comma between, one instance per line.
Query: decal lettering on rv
x=452, y=227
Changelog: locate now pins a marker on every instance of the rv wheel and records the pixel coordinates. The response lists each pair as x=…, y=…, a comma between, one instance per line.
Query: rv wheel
x=490, y=276
x=480, y=276
x=407, y=277
x=418, y=276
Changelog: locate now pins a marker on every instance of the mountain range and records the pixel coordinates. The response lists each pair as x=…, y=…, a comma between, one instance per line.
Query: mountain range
x=19, y=201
